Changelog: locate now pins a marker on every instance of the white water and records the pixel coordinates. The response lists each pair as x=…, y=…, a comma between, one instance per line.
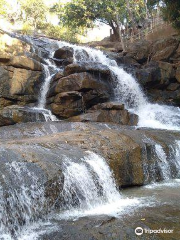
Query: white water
x=129, y=92
x=21, y=203
x=44, y=90
x=163, y=162
x=90, y=189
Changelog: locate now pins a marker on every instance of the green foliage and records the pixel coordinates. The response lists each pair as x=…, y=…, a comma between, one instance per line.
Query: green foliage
x=26, y=28
x=171, y=12
x=35, y=11
x=85, y=13
x=3, y=7
x=62, y=33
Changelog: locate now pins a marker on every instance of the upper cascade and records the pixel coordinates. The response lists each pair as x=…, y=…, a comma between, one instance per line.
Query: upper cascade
x=128, y=91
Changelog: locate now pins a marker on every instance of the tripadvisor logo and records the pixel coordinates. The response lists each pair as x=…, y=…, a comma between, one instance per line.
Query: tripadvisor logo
x=138, y=231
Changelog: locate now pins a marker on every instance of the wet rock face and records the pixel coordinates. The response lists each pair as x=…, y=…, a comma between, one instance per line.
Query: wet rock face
x=16, y=114
x=130, y=153
x=34, y=156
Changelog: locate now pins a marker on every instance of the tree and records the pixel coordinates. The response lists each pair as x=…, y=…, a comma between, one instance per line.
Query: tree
x=84, y=13
x=35, y=11
x=3, y=7
x=171, y=12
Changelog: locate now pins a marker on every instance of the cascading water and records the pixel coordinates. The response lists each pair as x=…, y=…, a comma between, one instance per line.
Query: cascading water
x=89, y=188
x=21, y=198
x=128, y=91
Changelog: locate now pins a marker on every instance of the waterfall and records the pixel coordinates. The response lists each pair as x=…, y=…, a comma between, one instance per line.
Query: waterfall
x=89, y=188
x=21, y=197
x=163, y=163
x=128, y=91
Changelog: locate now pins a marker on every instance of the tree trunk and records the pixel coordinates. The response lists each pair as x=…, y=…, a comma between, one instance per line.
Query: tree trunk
x=131, y=16
x=119, y=27
x=115, y=32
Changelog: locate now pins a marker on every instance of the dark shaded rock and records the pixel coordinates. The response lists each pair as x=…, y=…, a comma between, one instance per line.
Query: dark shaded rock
x=84, y=67
x=64, y=53
x=16, y=114
x=140, y=51
x=173, y=86
x=155, y=74
x=108, y=106
x=67, y=104
x=178, y=74
x=163, y=49
x=108, y=112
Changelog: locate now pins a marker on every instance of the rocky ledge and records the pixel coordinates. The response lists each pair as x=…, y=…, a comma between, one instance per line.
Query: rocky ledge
x=130, y=152
x=156, y=66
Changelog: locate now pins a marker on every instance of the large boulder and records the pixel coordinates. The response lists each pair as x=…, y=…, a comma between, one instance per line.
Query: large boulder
x=108, y=112
x=72, y=94
x=163, y=49
x=94, y=68
x=25, y=63
x=63, y=56
x=139, y=50
x=156, y=74
x=19, y=85
x=13, y=46
x=64, y=53
x=67, y=104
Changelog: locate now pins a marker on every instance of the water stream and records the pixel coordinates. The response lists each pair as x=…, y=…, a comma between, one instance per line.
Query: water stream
x=89, y=186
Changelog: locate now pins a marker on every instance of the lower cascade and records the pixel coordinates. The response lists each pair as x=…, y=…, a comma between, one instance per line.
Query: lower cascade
x=88, y=188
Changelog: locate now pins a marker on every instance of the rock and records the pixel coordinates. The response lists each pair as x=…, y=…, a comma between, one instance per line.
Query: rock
x=77, y=91
x=167, y=70
x=4, y=57
x=19, y=84
x=140, y=51
x=64, y=53
x=63, y=56
x=108, y=112
x=129, y=152
x=108, y=106
x=25, y=63
x=16, y=114
x=67, y=104
x=164, y=54
x=149, y=75
x=13, y=46
x=173, y=86
x=90, y=67
x=163, y=49
x=155, y=74
x=77, y=82
x=23, y=81
x=178, y=74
